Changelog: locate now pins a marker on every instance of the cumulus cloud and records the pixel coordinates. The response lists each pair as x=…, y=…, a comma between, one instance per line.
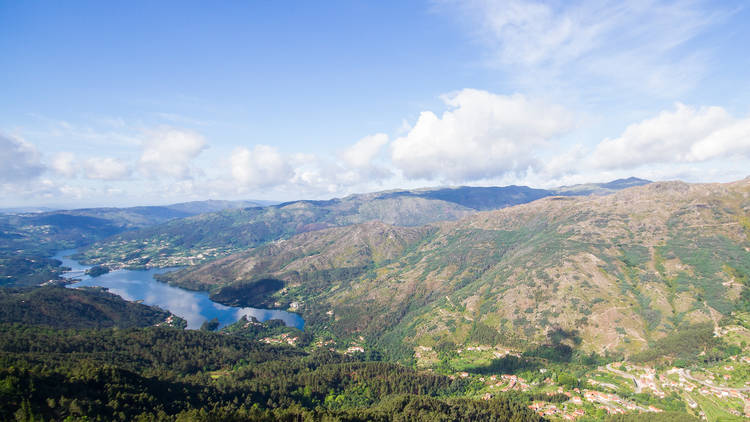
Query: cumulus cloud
x=19, y=160
x=358, y=162
x=483, y=135
x=364, y=151
x=63, y=163
x=261, y=167
x=169, y=151
x=683, y=135
x=105, y=168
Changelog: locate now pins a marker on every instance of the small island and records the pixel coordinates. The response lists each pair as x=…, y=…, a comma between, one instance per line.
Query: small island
x=97, y=270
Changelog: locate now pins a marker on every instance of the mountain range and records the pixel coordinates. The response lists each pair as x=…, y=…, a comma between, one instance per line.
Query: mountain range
x=201, y=238
x=618, y=271
x=504, y=303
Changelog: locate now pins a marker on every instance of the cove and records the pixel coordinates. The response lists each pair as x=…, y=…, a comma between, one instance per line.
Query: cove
x=193, y=307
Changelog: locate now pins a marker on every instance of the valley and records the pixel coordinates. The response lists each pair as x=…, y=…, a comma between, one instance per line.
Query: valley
x=628, y=303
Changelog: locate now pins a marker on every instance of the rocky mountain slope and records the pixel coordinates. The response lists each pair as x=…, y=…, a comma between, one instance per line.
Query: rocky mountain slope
x=198, y=239
x=615, y=272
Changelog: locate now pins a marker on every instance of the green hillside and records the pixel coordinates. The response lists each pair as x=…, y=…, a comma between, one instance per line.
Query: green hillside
x=207, y=236
x=198, y=239
x=621, y=271
x=164, y=374
x=60, y=307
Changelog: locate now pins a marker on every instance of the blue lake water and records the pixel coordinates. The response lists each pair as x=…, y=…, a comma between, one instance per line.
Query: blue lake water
x=194, y=307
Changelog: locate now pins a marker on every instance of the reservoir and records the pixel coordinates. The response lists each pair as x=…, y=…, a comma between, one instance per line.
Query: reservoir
x=193, y=307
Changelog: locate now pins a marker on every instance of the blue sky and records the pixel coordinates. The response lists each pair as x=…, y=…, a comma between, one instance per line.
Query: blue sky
x=121, y=103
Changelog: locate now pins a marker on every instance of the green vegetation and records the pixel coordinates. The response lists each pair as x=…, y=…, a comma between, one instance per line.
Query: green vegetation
x=60, y=307
x=30, y=270
x=97, y=270
x=198, y=239
x=254, y=330
x=662, y=417
x=251, y=293
x=688, y=344
x=617, y=296
x=165, y=374
x=27, y=240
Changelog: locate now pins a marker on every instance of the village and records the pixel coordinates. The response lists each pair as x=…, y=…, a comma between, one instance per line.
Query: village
x=719, y=392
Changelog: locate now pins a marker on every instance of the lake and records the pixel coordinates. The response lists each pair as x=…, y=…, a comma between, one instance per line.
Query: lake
x=193, y=307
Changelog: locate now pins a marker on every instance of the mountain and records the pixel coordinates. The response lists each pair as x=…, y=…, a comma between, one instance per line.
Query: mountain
x=47, y=231
x=477, y=198
x=347, y=251
x=615, y=272
x=19, y=210
x=601, y=188
x=28, y=239
x=198, y=239
x=208, y=236
x=60, y=307
x=213, y=205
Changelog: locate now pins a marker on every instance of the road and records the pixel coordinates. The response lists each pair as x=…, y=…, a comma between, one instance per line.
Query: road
x=638, y=387
x=686, y=373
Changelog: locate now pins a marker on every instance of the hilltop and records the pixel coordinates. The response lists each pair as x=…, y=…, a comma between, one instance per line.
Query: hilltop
x=198, y=239
x=63, y=308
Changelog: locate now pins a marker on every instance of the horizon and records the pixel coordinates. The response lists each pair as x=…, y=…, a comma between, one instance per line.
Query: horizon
x=266, y=203
x=170, y=102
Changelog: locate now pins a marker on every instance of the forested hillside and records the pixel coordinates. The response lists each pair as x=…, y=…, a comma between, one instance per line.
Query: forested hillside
x=59, y=307
x=168, y=374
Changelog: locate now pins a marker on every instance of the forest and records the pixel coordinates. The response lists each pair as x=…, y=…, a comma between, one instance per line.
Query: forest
x=168, y=374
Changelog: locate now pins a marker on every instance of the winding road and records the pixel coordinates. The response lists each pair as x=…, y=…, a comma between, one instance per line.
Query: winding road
x=686, y=373
x=638, y=386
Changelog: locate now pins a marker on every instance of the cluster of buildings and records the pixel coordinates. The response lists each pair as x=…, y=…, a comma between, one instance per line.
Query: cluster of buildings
x=354, y=349
x=549, y=409
x=615, y=404
x=514, y=383
x=705, y=389
x=648, y=380
x=423, y=351
x=283, y=338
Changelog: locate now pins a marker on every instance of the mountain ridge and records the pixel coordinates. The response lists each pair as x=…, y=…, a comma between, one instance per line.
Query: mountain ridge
x=209, y=236
x=622, y=269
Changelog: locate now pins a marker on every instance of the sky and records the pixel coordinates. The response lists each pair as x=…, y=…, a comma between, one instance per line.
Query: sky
x=143, y=102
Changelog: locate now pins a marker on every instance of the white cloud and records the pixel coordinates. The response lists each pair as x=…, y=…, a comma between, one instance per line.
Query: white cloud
x=19, y=160
x=261, y=167
x=105, y=168
x=359, y=162
x=683, y=135
x=63, y=163
x=169, y=151
x=364, y=151
x=484, y=135
x=634, y=43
